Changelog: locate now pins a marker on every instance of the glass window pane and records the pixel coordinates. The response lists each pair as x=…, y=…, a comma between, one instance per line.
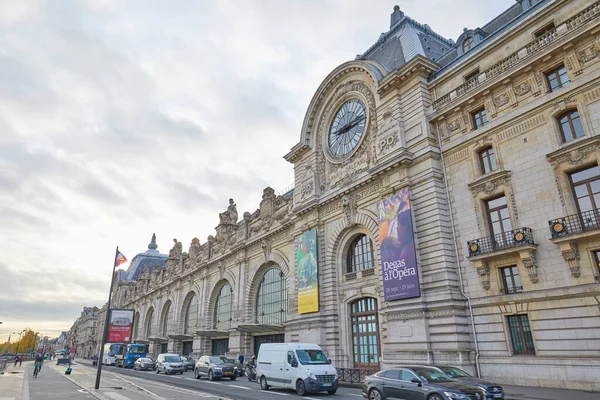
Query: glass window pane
x=585, y=174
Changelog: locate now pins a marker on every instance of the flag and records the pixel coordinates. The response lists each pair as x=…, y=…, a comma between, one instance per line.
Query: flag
x=120, y=259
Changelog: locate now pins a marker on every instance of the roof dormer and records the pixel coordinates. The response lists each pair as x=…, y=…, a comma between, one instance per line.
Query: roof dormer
x=468, y=40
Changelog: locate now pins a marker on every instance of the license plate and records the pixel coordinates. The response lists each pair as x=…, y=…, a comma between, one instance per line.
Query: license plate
x=497, y=395
x=326, y=384
x=227, y=373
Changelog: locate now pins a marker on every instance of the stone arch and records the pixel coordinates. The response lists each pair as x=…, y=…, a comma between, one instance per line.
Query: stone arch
x=254, y=282
x=213, y=300
x=191, y=295
x=149, y=322
x=373, y=70
x=343, y=231
x=166, y=313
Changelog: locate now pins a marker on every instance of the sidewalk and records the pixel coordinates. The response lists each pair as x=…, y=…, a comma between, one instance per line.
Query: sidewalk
x=11, y=382
x=538, y=393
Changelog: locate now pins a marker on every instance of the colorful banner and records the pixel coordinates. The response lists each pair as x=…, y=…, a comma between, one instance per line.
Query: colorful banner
x=308, y=273
x=398, y=256
x=121, y=326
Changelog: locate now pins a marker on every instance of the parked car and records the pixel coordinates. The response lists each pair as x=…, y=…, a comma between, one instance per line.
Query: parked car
x=214, y=367
x=417, y=383
x=188, y=363
x=492, y=390
x=169, y=364
x=143, y=364
x=300, y=366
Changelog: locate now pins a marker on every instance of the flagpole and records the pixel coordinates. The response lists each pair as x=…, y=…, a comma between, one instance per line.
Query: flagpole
x=106, y=322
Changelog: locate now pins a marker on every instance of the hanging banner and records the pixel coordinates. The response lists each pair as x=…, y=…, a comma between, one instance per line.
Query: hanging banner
x=308, y=273
x=121, y=326
x=398, y=256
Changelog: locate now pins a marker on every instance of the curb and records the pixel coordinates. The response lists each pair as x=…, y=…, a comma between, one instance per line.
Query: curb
x=93, y=392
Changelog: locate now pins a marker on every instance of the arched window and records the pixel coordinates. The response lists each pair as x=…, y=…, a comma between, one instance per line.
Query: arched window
x=149, y=322
x=167, y=315
x=191, y=316
x=487, y=158
x=570, y=125
x=223, y=309
x=365, y=332
x=360, y=254
x=467, y=44
x=136, y=323
x=271, y=298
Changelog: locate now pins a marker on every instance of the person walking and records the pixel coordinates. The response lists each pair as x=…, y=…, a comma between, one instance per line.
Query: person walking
x=20, y=360
x=16, y=360
x=241, y=359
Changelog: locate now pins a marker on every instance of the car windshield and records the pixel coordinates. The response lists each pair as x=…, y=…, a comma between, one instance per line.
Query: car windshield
x=431, y=375
x=172, y=359
x=137, y=349
x=146, y=360
x=455, y=372
x=216, y=360
x=311, y=357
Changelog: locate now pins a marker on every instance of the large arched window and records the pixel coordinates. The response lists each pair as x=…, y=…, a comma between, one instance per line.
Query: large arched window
x=271, y=298
x=365, y=332
x=360, y=254
x=149, y=322
x=136, y=324
x=223, y=309
x=167, y=315
x=191, y=316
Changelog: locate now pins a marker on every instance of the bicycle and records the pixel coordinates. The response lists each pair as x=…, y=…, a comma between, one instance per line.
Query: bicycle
x=36, y=370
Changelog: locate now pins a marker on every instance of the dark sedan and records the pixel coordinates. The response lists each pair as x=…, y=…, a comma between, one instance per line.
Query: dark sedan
x=491, y=390
x=214, y=368
x=188, y=363
x=417, y=383
x=143, y=364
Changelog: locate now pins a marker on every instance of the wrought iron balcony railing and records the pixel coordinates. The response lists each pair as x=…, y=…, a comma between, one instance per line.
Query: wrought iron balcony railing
x=516, y=238
x=574, y=224
x=516, y=289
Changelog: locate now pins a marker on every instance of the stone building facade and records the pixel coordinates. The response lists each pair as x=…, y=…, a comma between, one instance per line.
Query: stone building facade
x=496, y=137
x=82, y=336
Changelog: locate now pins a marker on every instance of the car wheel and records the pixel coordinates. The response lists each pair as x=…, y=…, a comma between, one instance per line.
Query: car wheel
x=435, y=396
x=374, y=394
x=180, y=372
x=196, y=375
x=263, y=383
x=157, y=370
x=210, y=376
x=331, y=391
x=300, y=387
x=233, y=378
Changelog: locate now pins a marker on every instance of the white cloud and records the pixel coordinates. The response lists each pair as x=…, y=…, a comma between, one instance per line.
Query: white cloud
x=120, y=119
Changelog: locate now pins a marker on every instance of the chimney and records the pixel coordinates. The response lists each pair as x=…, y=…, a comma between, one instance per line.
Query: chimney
x=397, y=15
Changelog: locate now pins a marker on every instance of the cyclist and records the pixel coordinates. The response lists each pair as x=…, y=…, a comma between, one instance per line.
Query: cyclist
x=39, y=360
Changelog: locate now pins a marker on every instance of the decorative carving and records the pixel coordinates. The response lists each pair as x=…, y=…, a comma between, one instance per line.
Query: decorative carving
x=483, y=270
x=266, y=248
x=530, y=262
x=490, y=182
x=195, y=252
x=230, y=216
x=221, y=268
x=522, y=89
x=176, y=252
x=573, y=63
x=349, y=205
x=537, y=83
x=571, y=256
x=501, y=100
x=454, y=125
x=307, y=189
x=575, y=156
x=389, y=134
x=489, y=187
x=588, y=54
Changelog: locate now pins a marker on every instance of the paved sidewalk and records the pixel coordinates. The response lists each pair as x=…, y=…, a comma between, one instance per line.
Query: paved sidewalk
x=11, y=382
x=538, y=393
x=49, y=385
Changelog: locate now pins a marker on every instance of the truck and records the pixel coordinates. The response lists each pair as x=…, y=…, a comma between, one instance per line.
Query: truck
x=126, y=354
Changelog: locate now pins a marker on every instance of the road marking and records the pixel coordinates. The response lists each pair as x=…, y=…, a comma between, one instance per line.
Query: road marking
x=141, y=388
x=241, y=387
x=357, y=395
x=279, y=394
x=159, y=384
x=311, y=398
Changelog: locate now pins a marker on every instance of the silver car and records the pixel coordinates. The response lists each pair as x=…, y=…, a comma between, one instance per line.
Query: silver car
x=169, y=364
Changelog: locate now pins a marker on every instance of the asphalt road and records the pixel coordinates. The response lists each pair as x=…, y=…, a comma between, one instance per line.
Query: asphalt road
x=240, y=389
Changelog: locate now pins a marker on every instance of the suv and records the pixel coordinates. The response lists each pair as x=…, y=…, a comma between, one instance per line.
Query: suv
x=169, y=364
x=214, y=367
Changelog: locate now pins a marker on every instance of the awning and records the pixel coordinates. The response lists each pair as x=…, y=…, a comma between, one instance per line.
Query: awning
x=261, y=328
x=180, y=337
x=211, y=333
x=158, y=339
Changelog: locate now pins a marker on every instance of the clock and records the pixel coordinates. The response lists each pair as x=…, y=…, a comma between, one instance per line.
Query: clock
x=347, y=128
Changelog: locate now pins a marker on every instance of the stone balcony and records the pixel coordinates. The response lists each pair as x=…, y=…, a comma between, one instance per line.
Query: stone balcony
x=517, y=59
x=516, y=242
x=569, y=230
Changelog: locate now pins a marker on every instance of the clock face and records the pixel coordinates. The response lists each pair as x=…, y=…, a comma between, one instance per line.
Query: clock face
x=347, y=127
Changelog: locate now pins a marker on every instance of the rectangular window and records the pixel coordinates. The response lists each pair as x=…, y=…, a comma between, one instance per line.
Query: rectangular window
x=597, y=260
x=479, y=118
x=543, y=30
x=511, y=283
x=585, y=185
x=557, y=78
x=498, y=216
x=488, y=160
x=520, y=335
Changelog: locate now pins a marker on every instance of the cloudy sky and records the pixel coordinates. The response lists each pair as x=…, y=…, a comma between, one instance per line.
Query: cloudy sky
x=123, y=118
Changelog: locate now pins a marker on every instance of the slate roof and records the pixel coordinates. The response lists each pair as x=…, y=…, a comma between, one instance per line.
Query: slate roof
x=149, y=258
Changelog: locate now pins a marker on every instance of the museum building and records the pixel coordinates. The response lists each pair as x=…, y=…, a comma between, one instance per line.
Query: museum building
x=446, y=210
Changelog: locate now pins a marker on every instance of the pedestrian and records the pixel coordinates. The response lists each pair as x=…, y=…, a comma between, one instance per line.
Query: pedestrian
x=241, y=359
x=20, y=360
x=16, y=360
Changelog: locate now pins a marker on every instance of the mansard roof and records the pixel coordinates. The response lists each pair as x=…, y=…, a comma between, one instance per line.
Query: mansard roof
x=149, y=258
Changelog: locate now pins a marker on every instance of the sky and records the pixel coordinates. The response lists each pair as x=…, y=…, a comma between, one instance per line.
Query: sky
x=119, y=119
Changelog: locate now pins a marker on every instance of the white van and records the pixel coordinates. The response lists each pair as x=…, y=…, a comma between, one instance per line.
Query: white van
x=300, y=366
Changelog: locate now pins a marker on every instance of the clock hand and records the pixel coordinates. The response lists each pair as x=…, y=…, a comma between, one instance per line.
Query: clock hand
x=349, y=125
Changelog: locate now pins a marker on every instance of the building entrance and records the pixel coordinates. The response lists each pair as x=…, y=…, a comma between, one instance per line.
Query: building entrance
x=258, y=340
x=163, y=347
x=187, y=348
x=219, y=346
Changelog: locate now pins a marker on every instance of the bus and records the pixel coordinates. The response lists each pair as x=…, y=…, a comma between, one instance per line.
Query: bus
x=110, y=353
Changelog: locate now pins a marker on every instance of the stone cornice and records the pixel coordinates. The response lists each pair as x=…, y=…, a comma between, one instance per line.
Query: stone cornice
x=419, y=66
x=574, y=151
